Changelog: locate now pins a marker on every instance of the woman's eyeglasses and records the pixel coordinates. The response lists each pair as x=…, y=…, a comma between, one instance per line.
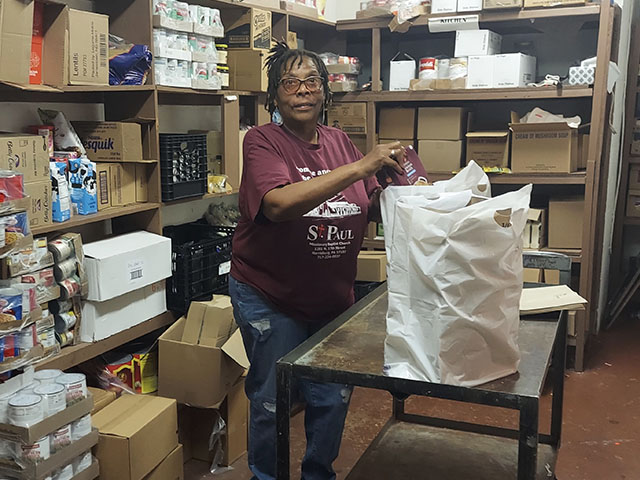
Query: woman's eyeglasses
x=291, y=85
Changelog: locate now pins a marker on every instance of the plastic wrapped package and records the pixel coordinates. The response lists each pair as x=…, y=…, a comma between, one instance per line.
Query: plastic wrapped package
x=13, y=228
x=83, y=181
x=65, y=137
x=129, y=64
x=11, y=186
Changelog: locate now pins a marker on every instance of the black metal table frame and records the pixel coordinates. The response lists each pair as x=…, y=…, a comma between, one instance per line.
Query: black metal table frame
x=528, y=406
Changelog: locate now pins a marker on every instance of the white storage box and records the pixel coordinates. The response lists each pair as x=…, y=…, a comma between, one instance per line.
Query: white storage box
x=444, y=6
x=402, y=71
x=125, y=263
x=477, y=42
x=480, y=71
x=513, y=70
x=103, y=319
x=469, y=5
x=582, y=75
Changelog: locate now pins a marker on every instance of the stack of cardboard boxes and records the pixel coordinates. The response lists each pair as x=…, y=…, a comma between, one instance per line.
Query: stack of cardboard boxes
x=352, y=119
x=206, y=344
x=440, y=134
x=397, y=124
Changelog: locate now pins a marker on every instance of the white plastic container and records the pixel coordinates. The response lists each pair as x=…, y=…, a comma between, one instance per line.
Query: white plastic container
x=75, y=385
x=25, y=410
x=34, y=453
x=29, y=389
x=54, y=396
x=65, y=473
x=7, y=448
x=82, y=462
x=61, y=438
x=4, y=407
x=81, y=428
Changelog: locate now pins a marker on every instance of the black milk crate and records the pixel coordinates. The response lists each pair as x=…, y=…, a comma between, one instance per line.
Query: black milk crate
x=200, y=263
x=362, y=289
x=183, y=165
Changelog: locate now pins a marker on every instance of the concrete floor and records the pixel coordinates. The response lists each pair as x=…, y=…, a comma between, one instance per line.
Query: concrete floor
x=601, y=432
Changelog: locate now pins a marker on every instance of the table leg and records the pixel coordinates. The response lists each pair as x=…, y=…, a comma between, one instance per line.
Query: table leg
x=283, y=409
x=528, y=444
x=559, y=363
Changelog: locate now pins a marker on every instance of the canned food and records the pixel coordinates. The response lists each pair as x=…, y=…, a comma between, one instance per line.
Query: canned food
x=81, y=428
x=428, y=68
x=54, y=396
x=82, y=462
x=65, y=338
x=36, y=452
x=30, y=389
x=65, y=473
x=61, y=438
x=65, y=269
x=47, y=336
x=27, y=338
x=69, y=287
x=10, y=305
x=25, y=410
x=47, y=376
x=4, y=407
x=122, y=368
x=61, y=249
x=75, y=385
x=65, y=322
x=8, y=346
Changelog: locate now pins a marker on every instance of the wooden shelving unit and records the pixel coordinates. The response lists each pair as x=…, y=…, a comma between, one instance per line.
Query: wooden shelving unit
x=577, y=178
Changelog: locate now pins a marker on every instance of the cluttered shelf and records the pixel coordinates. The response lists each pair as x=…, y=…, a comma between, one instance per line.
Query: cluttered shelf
x=106, y=214
x=589, y=10
x=77, y=354
x=206, y=196
x=467, y=94
x=576, y=178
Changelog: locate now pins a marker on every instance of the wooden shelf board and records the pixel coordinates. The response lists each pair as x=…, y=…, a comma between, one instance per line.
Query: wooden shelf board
x=108, y=88
x=577, y=178
x=203, y=197
x=77, y=354
x=574, y=253
x=590, y=10
x=195, y=91
x=257, y=4
x=632, y=221
x=106, y=214
x=467, y=94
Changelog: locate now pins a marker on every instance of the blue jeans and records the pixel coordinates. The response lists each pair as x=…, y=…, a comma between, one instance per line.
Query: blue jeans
x=268, y=335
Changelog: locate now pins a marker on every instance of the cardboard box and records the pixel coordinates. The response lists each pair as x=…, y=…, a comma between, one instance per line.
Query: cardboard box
x=40, y=195
x=543, y=147
x=477, y=42
x=441, y=123
x=405, y=143
x=583, y=151
x=372, y=267
x=124, y=263
x=501, y=4
x=469, y=5
x=215, y=151
x=480, y=71
x=634, y=177
x=299, y=8
x=532, y=275
x=360, y=141
x=35, y=64
x=142, y=182
x=244, y=66
x=633, y=203
x=535, y=232
x=444, y=6
x=209, y=323
x=183, y=366
x=136, y=433
x=16, y=23
x=111, y=141
x=440, y=155
x=251, y=30
x=397, y=123
x=292, y=40
x=565, y=223
x=171, y=468
x=76, y=49
x=196, y=424
x=103, y=181
x=402, y=69
x=350, y=117
x=552, y=277
x=551, y=3
x=488, y=149
x=513, y=70
x=103, y=319
x=101, y=398
x=25, y=154
x=122, y=178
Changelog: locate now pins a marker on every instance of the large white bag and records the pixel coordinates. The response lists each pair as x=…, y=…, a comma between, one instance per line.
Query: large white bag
x=455, y=281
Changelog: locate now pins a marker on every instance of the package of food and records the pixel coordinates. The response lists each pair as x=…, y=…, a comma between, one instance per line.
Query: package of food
x=13, y=228
x=60, y=198
x=11, y=186
x=10, y=304
x=82, y=183
x=65, y=137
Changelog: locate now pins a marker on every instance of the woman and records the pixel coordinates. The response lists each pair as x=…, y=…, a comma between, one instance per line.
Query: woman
x=305, y=200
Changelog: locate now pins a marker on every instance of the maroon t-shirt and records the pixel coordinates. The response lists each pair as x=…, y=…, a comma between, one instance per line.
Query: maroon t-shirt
x=305, y=267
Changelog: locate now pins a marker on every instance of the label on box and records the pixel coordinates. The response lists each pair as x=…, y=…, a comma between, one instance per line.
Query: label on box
x=224, y=268
x=451, y=24
x=135, y=270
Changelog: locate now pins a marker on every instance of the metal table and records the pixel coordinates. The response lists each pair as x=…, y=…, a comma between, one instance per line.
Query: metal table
x=350, y=350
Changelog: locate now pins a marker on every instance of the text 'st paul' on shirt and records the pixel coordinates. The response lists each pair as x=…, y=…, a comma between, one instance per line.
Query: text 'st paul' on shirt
x=305, y=267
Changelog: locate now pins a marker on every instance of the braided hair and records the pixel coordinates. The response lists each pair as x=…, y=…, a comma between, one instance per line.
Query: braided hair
x=279, y=57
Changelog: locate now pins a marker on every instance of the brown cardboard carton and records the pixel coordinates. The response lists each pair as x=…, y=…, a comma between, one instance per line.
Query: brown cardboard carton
x=351, y=117
x=372, y=267
x=397, y=123
x=171, y=468
x=183, y=366
x=142, y=183
x=215, y=151
x=101, y=398
x=532, y=275
x=583, y=151
x=104, y=185
x=292, y=40
x=634, y=177
x=551, y=277
x=565, y=223
x=543, y=147
x=535, y=233
x=16, y=22
x=251, y=30
x=25, y=154
x=299, y=8
x=111, y=141
x=488, y=149
x=244, y=65
x=633, y=203
x=76, y=48
x=123, y=184
x=40, y=194
x=209, y=323
x=440, y=155
x=360, y=141
x=441, y=123
x=136, y=433
x=551, y=3
x=196, y=425
x=501, y=4
x=405, y=143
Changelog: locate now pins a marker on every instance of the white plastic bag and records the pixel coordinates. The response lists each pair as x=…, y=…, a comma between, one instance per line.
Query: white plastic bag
x=455, y=280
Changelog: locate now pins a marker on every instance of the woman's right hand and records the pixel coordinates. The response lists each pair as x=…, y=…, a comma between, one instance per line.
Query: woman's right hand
x=383, y=155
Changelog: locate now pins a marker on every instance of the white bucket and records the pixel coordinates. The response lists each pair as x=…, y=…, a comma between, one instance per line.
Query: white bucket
x=25, y=410
x=47, y=376
x=54, y=397
x=34, y=453
x=81, y=428
x=61, y=438
x=82, y=462
x=75, y=385
x=65, y=473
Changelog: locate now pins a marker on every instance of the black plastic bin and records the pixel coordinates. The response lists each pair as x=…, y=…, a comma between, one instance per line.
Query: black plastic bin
x=201, y=258
x=183, y=165
x=362, y=289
